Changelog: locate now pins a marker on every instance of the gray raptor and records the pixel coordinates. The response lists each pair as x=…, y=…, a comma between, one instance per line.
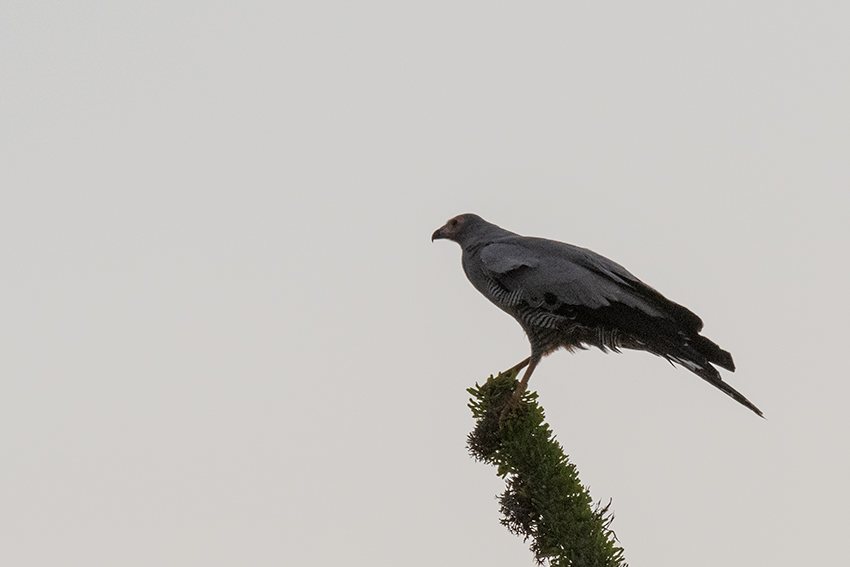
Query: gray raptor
x=571, y=297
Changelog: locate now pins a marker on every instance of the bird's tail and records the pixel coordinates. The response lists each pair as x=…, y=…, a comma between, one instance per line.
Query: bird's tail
x=698, y=354
x=712, y=353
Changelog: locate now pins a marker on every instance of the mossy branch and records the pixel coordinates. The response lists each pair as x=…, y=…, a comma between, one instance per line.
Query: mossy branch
x=544, y=500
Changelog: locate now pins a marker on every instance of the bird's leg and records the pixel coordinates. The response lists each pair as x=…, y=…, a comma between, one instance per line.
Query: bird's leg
x=515, y=401
x=532, y=362
x=518, y=367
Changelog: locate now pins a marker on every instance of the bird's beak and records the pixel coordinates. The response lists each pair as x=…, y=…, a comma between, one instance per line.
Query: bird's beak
x=438, y=234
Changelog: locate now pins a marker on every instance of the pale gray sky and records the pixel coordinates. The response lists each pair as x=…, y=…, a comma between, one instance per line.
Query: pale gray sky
x=227, y=339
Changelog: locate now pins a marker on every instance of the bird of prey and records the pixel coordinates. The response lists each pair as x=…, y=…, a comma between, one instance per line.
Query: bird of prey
x=568, y=297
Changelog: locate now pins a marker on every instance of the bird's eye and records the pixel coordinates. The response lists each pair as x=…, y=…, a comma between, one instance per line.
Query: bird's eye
x=453, y=222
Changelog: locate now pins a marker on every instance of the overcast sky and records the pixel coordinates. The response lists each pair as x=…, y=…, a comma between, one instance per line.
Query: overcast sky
x=226, y=338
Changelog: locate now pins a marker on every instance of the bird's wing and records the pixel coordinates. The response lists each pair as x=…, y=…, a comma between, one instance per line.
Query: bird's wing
x=504, y=257
x=548, y=273
x=532, y=274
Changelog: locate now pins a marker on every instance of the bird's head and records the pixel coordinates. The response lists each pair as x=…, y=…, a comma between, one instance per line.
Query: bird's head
x=458, y=227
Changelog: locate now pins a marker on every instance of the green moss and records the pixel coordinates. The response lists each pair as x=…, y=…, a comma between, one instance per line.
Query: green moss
x=544, y=501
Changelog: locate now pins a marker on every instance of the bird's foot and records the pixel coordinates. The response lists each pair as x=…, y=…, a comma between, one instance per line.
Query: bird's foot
x=513, y=405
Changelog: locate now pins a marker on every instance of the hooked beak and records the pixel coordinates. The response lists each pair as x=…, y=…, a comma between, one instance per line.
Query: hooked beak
x=438, y=234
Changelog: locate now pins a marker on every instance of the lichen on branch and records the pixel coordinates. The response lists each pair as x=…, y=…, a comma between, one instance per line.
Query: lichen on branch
x=544, y=501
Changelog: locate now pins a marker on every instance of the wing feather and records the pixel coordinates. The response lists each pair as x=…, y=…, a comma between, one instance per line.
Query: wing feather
x=543, y=269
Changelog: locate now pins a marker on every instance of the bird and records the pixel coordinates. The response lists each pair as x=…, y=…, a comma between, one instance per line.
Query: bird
x=564, y=296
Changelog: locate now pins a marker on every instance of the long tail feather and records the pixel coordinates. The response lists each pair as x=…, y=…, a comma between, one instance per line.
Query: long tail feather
x=710, y=374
